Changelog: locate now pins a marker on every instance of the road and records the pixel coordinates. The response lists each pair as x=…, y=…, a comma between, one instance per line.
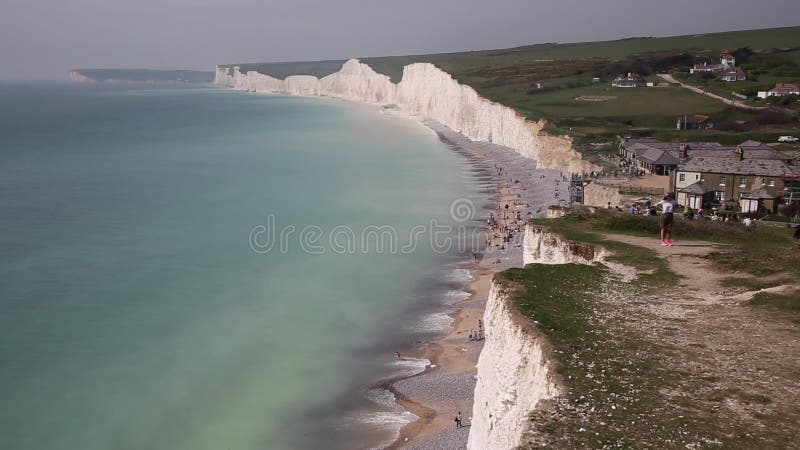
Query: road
x=734, y=103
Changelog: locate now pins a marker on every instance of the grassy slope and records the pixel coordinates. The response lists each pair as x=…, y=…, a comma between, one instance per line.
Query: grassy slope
x=615, y=381
x=460, y=64
x=766, y=249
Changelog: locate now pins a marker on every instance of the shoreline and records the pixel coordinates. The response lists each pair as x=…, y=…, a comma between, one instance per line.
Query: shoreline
x=521, y=186
x=518, y=185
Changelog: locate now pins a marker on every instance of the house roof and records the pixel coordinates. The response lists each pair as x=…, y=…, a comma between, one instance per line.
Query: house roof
x=697, y=118
x=659, y=157
x=761, y=193
x=785, y=87
x=695, y=189
x=750, y=143
x=731, y=165
x=733, y=72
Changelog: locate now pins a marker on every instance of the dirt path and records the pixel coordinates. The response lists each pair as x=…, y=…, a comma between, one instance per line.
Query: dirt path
x=739, y=365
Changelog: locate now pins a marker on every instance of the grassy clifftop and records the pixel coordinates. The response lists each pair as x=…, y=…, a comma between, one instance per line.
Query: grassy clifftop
x=679, y=357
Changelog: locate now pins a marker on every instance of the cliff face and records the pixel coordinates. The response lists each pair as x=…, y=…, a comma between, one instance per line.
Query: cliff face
x=78, y=77
x=514, y=370
x=427, y=91
x=540, y=246
x=513, y=376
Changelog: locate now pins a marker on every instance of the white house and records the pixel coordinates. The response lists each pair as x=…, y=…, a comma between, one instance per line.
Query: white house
x=726, y=61
x=780, y=90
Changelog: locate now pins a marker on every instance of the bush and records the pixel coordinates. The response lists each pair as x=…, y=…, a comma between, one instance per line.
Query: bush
x=788, y=210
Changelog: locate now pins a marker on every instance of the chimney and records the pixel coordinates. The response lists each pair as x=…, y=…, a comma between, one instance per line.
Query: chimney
x=739, y=153
x=682, y=151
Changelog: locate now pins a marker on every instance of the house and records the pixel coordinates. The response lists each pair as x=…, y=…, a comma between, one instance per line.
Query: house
x=753, y=179
x=726, y=61
x=654, y=156
x=780, y=90
x=733, y=74
x=628, y=81
x=595, y=79
x=659, y=162
x=695, y=122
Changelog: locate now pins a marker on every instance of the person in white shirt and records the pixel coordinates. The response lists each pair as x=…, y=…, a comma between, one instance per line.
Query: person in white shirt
x=667, y=218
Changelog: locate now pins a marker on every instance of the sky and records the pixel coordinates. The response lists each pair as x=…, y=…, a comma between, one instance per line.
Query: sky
x=44, y=39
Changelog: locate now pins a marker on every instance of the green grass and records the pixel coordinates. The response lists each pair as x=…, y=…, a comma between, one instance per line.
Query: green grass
x=653, y=271
x=751, y=284
x=600, y=368
x=615, y=382
x=458, y=63
x=764, y=250
x=777, y=301
x=625, y=104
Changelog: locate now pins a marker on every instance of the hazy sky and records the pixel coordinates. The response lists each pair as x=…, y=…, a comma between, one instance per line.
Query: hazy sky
x=45, y=38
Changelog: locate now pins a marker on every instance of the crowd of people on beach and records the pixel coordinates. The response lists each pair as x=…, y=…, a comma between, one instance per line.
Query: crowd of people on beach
x=511, y=215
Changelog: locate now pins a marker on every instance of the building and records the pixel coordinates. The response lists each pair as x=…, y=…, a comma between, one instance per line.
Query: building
x=780, y=90
x=695, y=122
x=726, y=61
x=751, y=178
x=733, y=74
x=657, y=157
x=629, y=80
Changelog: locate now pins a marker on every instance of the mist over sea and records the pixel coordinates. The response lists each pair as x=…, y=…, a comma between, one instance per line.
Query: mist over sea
x=134, y=312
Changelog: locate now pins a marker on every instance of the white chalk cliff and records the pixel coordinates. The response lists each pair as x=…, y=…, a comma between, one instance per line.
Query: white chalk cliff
x=514, y=375
x=426, y=91
x=540, y=246
x=78, y=77
x=515, y=369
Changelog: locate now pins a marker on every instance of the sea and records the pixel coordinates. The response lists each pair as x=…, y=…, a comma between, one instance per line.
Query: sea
x=186, y=267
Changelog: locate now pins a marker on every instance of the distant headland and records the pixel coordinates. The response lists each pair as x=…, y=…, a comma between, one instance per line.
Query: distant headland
x=141, y=76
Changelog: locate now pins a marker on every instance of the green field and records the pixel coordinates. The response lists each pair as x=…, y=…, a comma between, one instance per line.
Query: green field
x=465, y=63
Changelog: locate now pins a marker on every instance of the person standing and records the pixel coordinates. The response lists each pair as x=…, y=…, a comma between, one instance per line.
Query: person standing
x=667, y=219
x=458, y=420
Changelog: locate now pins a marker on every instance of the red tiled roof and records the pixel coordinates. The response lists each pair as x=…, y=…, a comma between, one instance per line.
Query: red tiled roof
x=697, y=118
x=785, y=87
x=737, y=71
x=630, y=76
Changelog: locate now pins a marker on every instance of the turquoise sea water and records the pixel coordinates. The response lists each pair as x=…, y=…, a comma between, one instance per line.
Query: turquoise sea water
x=134, y=313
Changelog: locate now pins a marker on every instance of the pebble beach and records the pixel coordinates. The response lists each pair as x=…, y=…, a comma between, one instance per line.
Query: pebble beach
x=446, y=386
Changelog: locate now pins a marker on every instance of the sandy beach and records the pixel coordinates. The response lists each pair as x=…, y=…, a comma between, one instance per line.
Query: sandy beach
x=447, y=385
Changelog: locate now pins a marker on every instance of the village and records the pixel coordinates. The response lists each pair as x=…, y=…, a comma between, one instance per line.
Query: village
x=752, y=179
x=746, y=181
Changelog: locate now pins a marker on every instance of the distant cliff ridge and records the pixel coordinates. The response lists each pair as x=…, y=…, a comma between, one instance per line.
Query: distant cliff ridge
x=428, y=92
x=141, y=76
